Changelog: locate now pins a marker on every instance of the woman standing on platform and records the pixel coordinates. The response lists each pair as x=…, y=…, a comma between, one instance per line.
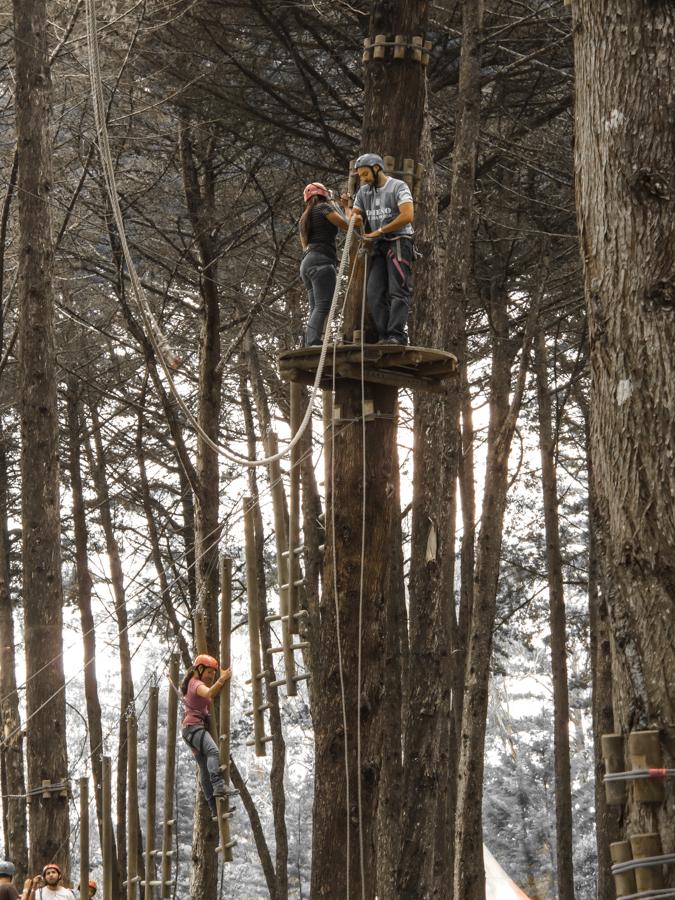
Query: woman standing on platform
x=318, y=228
x=199, y=687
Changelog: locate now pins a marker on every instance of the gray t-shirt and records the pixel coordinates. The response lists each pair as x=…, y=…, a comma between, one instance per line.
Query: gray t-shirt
x=382, y=205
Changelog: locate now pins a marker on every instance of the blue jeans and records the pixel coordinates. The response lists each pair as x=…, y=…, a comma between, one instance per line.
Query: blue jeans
x=319, y=274
x=205, y=751
x=389, y=287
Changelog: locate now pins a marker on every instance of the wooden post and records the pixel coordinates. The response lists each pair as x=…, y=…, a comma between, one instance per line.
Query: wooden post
x=409, y=173
x=283, y=566
x=399, y=49
x=613, y=755
x=379, y=48
x=644, y=749
x=169, y=777
x=389, y=164
x=84, y=836
x=254, y=628
x=199, y=619
x=625, y=883
x=223, y=805
x=151, y=791
x=294, y=515
x=106, y=841
x=132, y=809
x=649, y=878
x=416, y=53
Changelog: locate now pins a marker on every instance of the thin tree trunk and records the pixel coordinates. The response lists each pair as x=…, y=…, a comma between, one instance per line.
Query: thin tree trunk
x=561, y=710
x=97, y=462
x=279, y=888
x=84, y=591
x=155, y=548
x=469, y=876
x=427, y=763
x=42, y=590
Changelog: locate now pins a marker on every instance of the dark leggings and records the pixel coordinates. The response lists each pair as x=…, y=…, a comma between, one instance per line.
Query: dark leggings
x=205, y=751
x=319, y=274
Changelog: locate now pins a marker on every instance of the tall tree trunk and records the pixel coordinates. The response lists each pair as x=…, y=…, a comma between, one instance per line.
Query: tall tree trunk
x=624, y=182
x=13, y=778
x=42, y=588
x=344, y=852
x=199, y=187
x=561, y=707
x=84, y=590
x=97, y=462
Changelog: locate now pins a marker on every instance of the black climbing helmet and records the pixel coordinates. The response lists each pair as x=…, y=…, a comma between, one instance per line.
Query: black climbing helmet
x=7, y=869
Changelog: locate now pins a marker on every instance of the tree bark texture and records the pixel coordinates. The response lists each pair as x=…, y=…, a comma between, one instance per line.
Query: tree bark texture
x=42, y=589
x=392, y=125
x=561, y=707
x=625, y=183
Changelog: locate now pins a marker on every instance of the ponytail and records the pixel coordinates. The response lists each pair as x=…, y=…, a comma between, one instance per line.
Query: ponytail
x=186, y=681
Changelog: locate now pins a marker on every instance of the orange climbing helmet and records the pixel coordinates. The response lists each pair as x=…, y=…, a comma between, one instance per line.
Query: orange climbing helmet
x=315, y=189
x=208, y=662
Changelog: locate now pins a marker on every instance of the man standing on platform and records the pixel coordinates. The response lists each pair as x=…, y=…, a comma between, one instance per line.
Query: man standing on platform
x=386, y=205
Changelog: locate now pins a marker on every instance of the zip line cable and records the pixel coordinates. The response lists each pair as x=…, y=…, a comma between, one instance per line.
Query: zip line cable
x=157, y=339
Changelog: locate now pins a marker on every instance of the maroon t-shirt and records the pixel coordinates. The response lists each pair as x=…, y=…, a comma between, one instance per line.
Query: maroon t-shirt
x=197, y=708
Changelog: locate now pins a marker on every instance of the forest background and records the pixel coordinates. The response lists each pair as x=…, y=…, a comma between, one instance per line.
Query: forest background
x=219, y=114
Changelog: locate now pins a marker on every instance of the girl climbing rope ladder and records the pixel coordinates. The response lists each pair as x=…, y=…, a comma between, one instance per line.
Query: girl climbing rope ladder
x=199, y=687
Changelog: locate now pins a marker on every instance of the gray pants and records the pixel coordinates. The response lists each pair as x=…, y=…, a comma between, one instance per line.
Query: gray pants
x=319, y=274
x=205, y=751
x=389, y=287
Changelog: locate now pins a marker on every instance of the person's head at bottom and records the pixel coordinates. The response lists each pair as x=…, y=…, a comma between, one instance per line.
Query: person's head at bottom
x=52, y=875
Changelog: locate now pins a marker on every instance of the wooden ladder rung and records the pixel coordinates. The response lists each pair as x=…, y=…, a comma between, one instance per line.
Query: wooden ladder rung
x=300, y=549
x=263, y=740
x=297, y=583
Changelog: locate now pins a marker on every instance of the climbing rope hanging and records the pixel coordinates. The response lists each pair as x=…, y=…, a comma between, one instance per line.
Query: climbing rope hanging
x=158, y=340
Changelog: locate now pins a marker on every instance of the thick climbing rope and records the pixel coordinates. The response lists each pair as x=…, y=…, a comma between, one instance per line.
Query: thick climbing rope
x=158, y=340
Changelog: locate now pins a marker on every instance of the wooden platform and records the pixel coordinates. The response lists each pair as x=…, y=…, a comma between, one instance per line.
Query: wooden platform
x=418, y=368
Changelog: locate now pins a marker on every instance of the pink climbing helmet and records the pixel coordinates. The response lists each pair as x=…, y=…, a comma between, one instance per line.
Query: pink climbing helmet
x=315, y=189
